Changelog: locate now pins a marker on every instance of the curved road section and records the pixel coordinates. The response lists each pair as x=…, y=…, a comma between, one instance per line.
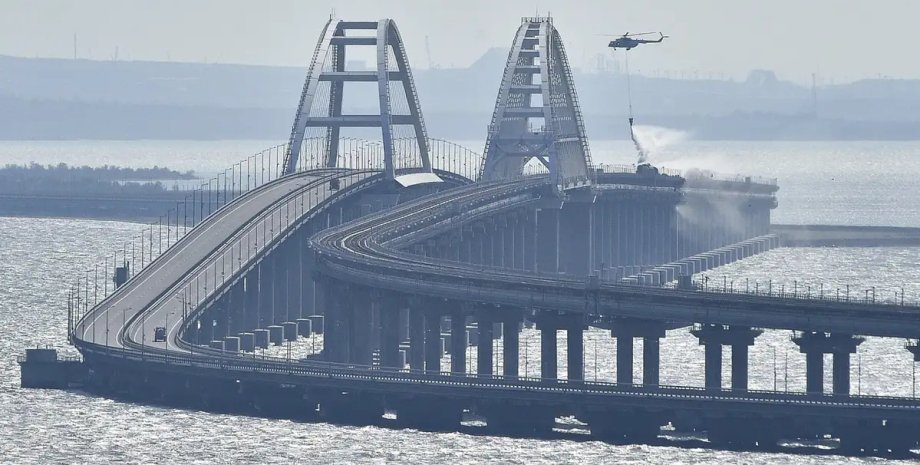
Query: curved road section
x=185, y=274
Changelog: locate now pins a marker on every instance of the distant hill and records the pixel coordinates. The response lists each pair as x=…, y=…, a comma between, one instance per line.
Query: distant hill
x=68, y=99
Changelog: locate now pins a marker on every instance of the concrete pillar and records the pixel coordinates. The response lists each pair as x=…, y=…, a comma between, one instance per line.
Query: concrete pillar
x=529, y=245
x=841, y=376
x=575, y=233
x=739, y=338
x=740, y=367
x=508, y=243
x=416, y=338
x=266, y=293
x=361, y=325
x=432, y=342
x=651, y=360
x=251, y=284
x=814, y=345
x=458, y=342
x=814, y=372
x=713, y=358
x=548, y=350
x=389, y=329
x=511, y=347
x=280, y=285
x=547, y=253
x=484, y=349
x=625, y=330
x=625, y=359
x=576, y=352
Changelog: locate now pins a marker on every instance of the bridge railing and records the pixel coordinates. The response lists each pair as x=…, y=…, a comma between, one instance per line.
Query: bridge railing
x=804, y=290
x=154, y=239
x=220, y=360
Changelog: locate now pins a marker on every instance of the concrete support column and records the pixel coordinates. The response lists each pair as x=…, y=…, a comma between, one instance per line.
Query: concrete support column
x=458, y=342
x=576, y=352
x=252, y=299
x=814, y=372
x=432, y=342
x=740, y=367
x=280, y=285
x=713, y=376
x=625, y=359
x=484, y=347
x=841, y=376
x=625, y=330
x=508, y=244
x=575, y=233
x=476, y=247
x=416, y=337
x=496, y=233
x=716, y=336
x=361, y=328
x=547, y=253
x=814, y=345
x=549, y=368
x=651, y=361
x=511, y=347
x=529, y=245
x=266, y=294
x=389, y=332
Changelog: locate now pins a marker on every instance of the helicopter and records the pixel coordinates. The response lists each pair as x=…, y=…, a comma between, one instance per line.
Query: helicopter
x=629, y=42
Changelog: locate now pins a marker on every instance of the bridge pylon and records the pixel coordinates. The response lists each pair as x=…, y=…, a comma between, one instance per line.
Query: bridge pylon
x=403, y=135
x=537, y=116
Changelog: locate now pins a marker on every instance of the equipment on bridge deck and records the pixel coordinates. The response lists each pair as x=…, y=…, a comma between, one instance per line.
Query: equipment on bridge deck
x=548, y=130
x=159, y=334
x=403, y=135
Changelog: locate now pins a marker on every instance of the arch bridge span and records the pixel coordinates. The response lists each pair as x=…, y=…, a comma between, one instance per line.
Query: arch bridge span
x=341, y=240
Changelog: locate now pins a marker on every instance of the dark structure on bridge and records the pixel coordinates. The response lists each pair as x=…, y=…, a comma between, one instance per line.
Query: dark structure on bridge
x=394, y=270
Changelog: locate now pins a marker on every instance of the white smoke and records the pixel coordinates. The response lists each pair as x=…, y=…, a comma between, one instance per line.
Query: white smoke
x=651, y=141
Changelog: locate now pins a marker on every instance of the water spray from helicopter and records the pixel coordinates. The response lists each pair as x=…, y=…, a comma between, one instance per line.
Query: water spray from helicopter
x=628, y=42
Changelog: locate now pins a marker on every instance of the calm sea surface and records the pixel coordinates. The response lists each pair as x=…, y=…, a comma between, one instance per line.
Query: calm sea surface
x=821, y=182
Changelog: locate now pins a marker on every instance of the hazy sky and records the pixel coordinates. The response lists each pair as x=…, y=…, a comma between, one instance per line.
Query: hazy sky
x=839, y=39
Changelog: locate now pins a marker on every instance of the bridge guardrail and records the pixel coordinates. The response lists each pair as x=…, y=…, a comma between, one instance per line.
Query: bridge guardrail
x=312, y=368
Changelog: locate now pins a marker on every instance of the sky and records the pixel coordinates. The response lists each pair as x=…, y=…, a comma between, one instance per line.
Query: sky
x=838, y=40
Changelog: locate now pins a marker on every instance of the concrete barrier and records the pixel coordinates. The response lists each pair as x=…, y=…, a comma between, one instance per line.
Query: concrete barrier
x=261, y=338
x=231, y=344
x=275, y=334
x=304, y=327
x=247, y=342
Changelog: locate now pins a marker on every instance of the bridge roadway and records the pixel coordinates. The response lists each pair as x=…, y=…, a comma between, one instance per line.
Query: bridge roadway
x=359, y=251
x=367, y=251
x=202, y=260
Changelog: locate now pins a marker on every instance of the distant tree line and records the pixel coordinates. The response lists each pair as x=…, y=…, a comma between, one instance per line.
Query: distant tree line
x=64, y=179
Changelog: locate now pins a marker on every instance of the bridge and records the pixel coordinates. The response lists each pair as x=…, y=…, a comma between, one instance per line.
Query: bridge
x=399, y=250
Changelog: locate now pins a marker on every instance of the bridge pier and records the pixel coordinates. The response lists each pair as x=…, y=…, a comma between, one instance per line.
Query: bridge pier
x=458, y=341
x=814, y=345
x=484, y=357
x=432, y=341
x=575, y=238
x=266, y=293
x=548, y=348
x=416, y=336
x=740, y=338
x=625, y=330
x=575, y=342
x=389, y=332
x=251, y=286
x=547, y=239
x=511, y=344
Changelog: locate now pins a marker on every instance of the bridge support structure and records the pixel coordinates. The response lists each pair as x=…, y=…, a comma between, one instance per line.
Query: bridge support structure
x=713, y=337
x=537, y=114
x=814, y=345
x=651, y=332
x=321, y=100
